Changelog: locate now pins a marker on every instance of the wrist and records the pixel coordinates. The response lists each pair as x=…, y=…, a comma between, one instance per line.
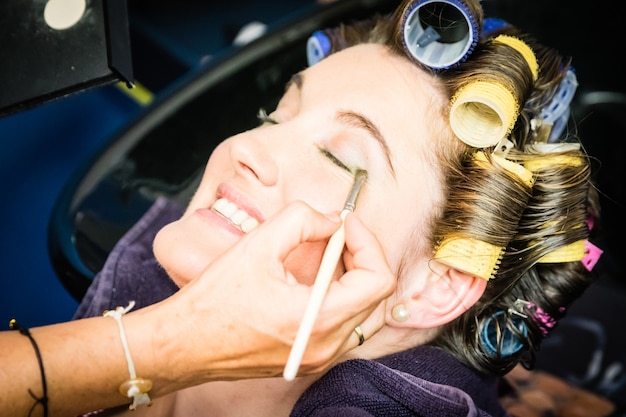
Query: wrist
x=164, y=340
x=150, y=340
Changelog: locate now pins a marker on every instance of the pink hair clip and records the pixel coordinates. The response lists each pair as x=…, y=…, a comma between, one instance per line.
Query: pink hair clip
x=546, y=321
x=592, y=252
x=591, y=256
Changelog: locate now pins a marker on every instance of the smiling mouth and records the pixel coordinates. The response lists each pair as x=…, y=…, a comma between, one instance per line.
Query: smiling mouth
x=236, y=216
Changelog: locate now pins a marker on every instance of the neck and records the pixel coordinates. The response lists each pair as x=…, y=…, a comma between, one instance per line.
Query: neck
x=271, y=397
x=390, y=340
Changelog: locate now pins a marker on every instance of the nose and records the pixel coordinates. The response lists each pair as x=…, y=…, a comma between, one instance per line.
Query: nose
x=252, y=155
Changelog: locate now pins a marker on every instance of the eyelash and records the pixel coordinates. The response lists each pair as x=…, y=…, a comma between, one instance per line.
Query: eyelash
x=334, y=159
x=264, y=118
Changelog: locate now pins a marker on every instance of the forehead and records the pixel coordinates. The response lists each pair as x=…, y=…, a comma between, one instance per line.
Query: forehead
x=366, y=61
x=373, y=79
x=406, y=103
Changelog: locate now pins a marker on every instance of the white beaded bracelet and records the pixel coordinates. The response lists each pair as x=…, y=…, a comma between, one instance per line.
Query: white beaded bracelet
x=135, y=388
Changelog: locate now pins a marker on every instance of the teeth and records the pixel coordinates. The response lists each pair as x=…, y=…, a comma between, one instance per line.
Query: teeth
x=236, y=216
x=249, y=225
x=239, y=217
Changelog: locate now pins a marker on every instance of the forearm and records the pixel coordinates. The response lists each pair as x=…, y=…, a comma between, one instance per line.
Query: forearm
x=84, y=365
x=84, y=360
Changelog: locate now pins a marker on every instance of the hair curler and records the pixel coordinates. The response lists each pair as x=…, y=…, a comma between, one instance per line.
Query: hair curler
x=557, y=112
x=483, y=112
x=498, y=340
x=317, y=47
x=493, y=24
x=439, y=33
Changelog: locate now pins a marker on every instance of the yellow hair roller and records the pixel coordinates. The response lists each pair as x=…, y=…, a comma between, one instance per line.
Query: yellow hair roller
x=522, y=172
x=472, y=256
x=547, y=161
x=483, y=112
x=523, y=48
x=569, y=253
x=549, y=157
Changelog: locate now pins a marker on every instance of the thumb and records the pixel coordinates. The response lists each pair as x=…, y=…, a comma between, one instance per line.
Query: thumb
x=295, y=224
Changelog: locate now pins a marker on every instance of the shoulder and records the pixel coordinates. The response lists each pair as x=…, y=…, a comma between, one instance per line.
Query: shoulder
x=392, y=386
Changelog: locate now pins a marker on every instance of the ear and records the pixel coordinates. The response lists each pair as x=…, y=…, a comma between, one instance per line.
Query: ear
x=435, y=295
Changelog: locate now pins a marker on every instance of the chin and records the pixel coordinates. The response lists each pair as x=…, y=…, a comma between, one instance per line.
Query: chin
x=178, y=269
x=181, y=262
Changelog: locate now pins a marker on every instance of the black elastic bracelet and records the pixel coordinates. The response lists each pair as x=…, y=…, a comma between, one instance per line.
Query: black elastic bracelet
x=44, y=399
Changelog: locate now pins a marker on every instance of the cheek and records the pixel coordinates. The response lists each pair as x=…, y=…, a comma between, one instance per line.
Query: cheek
x=397, y=224
x=304, y=261
x=217, y=166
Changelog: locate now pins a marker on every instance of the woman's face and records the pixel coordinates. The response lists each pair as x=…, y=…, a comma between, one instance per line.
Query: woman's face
x=359, y=108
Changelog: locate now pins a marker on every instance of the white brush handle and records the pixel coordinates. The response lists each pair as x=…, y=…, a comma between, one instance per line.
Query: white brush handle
x=322, y=281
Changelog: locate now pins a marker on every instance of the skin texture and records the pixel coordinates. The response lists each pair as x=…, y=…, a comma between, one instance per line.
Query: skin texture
x=266, y=168
x=330, y=108
x=192, y=337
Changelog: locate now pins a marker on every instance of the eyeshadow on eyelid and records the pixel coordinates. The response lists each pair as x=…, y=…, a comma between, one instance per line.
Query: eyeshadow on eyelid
x=359, y=121
x=332, y=158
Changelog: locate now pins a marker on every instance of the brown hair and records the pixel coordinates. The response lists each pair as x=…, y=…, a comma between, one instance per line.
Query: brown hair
x=485, y=202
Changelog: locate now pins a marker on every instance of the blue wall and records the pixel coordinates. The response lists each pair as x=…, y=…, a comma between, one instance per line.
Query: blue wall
x=39, y=150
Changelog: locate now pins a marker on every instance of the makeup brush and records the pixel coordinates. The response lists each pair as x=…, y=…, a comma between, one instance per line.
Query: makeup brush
x=322, y=281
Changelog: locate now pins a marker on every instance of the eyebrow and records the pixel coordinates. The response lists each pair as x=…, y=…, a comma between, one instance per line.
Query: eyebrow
x=354, y=119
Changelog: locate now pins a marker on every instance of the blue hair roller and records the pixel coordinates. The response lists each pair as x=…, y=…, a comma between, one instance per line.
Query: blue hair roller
x=509, y=342
x=557, y=111
x=492, y=24
x=317, y=47
x=439, y=33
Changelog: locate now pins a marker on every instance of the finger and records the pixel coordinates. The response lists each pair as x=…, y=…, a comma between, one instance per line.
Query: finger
x=368, y=267
x=369, y=326
x=370, y=320
x=358, y=297
x=295, y=224
x=327, y=347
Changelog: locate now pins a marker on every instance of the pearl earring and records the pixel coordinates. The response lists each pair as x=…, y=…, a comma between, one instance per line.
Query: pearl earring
x=400, y=313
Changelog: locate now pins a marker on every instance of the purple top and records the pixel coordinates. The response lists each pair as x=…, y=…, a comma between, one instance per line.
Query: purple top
x=423, y=381
x=131, y=272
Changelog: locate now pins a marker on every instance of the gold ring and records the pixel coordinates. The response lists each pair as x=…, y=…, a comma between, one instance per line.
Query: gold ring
x=359, y=333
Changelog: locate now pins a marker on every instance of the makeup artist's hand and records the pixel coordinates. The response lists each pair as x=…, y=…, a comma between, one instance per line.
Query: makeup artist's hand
x=237, y=320
x=241, y=316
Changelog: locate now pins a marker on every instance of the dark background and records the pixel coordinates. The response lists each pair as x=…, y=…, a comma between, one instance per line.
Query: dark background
x=40, y=148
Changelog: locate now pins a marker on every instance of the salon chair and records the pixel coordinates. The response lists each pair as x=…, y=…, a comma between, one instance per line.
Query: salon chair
x=163, y=151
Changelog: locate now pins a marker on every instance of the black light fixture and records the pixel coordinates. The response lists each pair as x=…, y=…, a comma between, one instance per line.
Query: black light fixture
x=53, y=48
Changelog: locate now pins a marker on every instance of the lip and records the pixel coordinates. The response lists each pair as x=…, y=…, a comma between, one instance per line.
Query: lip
x=216, y=220
x=232, y=194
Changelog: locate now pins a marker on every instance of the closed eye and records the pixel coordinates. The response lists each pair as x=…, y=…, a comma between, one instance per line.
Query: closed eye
x=334, y=159
x=265, y=119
